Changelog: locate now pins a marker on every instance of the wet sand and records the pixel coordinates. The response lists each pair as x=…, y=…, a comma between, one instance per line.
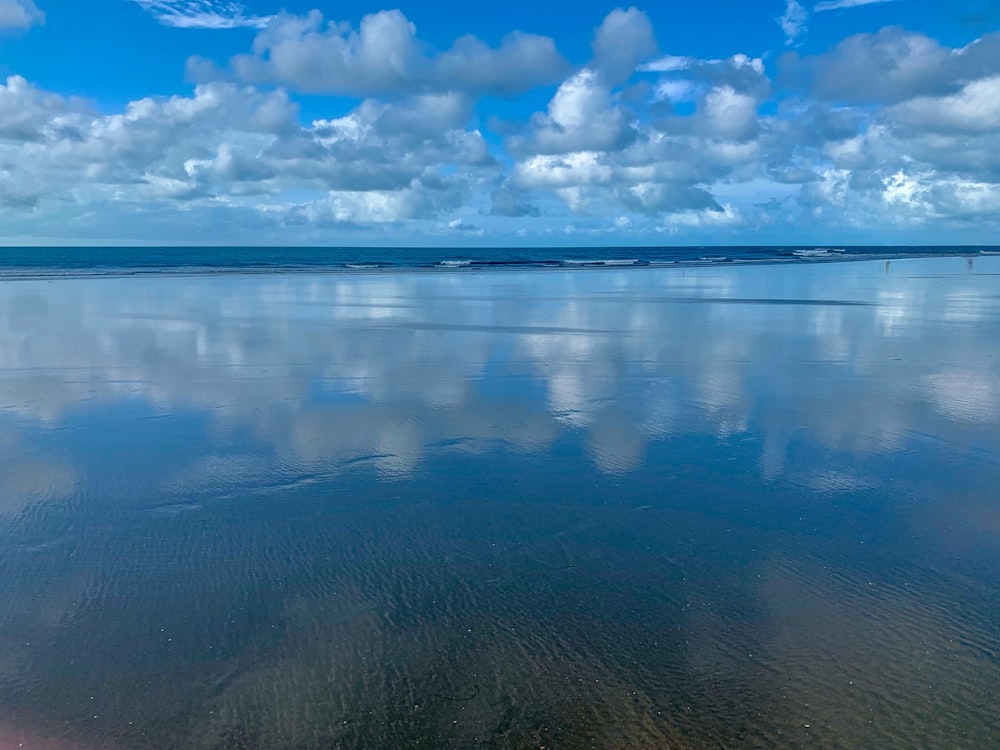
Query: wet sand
x=720, y=507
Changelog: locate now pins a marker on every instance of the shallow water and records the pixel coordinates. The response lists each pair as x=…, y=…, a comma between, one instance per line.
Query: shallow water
x=733, y=507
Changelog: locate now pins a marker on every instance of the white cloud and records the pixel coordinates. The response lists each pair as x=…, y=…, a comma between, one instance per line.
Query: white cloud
x=976, y=108
x=794, y=21
x=623, y=40
x=895, y=130
x=582, y=116
x=968, y=198
x=890, y=132
x=894, y=65
x=27, y=114
x=847, y=153
x=372, y=206
x=676, y=91
x=726, y=216
x=731, y=114
x=570, y=170
x=383, y=55
x=229, y=148
x=19, y=15
x=906, y=189
x=203, y=14
x=667, y=64
x=601, y=157
x=828, y=5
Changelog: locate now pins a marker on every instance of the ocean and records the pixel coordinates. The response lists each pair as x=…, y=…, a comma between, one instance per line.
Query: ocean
x=708, y=504
x=20, y=261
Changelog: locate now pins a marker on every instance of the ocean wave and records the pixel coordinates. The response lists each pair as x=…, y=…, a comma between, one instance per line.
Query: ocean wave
x=818, y=252
x=602, y=262
x=59, y=262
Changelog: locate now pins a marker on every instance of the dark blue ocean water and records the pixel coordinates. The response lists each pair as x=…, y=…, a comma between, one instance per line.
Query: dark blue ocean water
x=38, y=260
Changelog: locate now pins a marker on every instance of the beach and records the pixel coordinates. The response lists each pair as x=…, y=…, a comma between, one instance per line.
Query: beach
x=680, y=507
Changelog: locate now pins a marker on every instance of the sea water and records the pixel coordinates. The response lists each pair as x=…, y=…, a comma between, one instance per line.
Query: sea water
x=678, y=507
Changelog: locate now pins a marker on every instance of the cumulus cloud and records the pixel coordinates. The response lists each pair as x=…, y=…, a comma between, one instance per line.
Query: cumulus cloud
x=582, y=116
x=600, y=156
x=976, y=108
x=202, y=14
x=892, y=132
x=731, y=114
x=377, y=206
x=19, y=15
x=383, y=55
x=27, y=114
x=709, y=217
x=892, y=129
x=228, y=147
x=893, y=65
x=623, y=40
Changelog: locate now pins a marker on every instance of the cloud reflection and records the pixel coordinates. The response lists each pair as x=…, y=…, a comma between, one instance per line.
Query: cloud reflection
x=328, y=371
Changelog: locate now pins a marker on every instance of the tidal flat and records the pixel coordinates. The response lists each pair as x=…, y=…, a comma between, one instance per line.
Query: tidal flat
x=706, y=507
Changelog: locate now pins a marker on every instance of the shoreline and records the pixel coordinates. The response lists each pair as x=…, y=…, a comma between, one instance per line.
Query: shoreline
x=462, y=266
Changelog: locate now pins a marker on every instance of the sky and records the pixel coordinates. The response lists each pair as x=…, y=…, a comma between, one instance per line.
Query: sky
x=305, y=122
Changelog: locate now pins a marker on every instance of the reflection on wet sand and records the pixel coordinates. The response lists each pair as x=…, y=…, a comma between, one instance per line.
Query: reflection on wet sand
x=679, y=508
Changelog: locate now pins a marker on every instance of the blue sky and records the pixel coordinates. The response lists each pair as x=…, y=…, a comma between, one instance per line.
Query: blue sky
x=352, y=123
